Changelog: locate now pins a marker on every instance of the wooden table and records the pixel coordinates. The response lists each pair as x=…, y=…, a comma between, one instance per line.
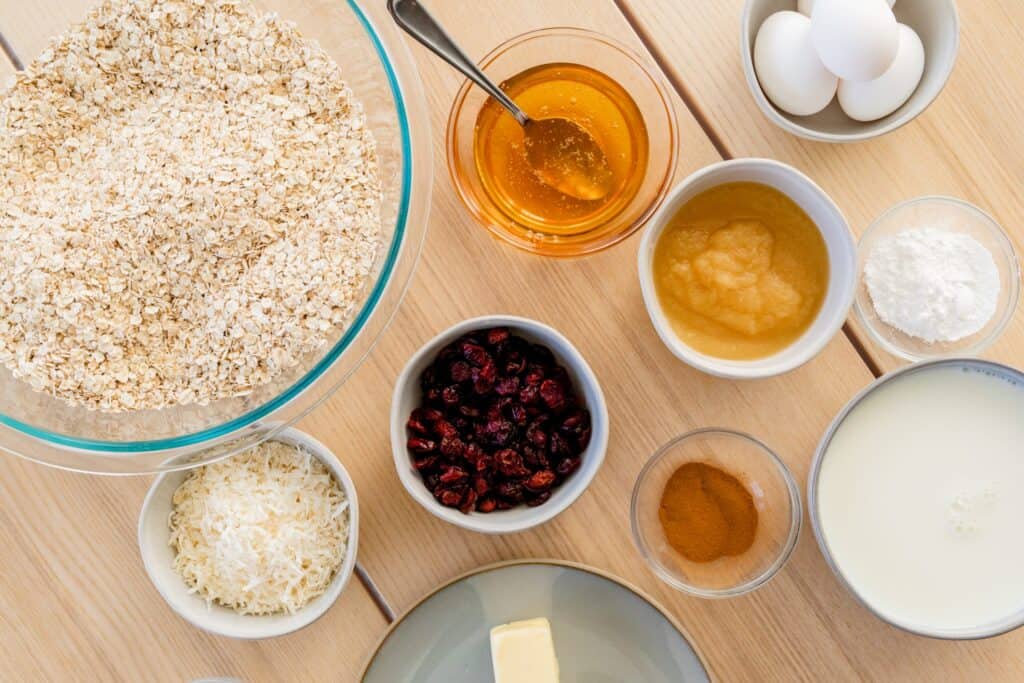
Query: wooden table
x=76, y=605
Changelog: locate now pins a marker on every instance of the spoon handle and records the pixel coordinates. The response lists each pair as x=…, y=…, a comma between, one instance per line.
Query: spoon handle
x=415, y=20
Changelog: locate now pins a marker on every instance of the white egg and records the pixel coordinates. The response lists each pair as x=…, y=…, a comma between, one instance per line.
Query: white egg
x=871, y=100
x=788, y=68
x=857, y=40
x=806, y=6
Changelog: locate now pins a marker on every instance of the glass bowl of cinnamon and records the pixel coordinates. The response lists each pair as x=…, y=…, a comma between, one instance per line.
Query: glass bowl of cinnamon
x=716, y=513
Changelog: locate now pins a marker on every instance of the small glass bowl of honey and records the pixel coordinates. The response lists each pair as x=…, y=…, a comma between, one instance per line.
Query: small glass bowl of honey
x=614, y=94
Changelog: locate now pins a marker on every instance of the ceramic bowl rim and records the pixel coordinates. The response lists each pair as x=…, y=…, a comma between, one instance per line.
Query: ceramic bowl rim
x=563, y=497
x=311, y=613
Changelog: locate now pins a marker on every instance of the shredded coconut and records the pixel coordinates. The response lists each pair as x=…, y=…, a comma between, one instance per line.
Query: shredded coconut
x=189, y=205
x=263, y=532
x=933, y=284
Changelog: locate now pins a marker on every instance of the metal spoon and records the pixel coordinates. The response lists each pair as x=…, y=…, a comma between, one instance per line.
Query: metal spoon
x=560, y=151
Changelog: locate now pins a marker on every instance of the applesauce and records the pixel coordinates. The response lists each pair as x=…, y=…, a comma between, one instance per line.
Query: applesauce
x=741, y=271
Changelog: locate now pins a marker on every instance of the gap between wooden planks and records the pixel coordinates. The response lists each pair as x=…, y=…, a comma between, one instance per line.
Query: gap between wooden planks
x=966, y=145
x=784, y=630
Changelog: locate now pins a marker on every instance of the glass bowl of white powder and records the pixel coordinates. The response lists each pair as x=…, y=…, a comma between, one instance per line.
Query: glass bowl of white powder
x=938, y=277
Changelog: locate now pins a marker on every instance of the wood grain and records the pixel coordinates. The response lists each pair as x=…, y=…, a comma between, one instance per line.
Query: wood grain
x=967, y=144
x=782, y=632
x=76, y=604
x=802, y=625
x=6, y=68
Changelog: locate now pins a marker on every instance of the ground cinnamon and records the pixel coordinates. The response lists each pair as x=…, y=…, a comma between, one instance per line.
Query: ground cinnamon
x=707, y=513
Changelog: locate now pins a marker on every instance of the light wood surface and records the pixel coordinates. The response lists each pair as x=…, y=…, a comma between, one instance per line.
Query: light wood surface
x=967, y=144
x=75, y=604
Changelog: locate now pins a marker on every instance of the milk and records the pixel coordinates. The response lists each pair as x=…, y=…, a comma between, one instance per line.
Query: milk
x=921, y=499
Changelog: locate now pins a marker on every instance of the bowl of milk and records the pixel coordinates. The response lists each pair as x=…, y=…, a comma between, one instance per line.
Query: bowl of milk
x=915, y=498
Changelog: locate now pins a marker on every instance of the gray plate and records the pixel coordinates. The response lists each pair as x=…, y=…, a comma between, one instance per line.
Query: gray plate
x=604, y=631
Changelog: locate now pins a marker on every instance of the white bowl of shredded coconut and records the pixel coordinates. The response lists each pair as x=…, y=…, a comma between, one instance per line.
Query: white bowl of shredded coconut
x=938, y=277
x=253, y=546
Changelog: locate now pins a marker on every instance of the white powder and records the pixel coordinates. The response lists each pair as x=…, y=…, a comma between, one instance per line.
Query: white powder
x=932, y=284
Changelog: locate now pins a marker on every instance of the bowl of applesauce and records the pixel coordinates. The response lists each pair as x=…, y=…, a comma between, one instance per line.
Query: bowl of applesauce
x=748, y=269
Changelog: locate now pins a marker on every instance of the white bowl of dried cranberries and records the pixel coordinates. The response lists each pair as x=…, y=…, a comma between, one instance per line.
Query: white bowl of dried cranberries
x=498, y=424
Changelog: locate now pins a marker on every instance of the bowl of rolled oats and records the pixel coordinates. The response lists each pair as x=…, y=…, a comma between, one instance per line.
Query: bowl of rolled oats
x=211, y=210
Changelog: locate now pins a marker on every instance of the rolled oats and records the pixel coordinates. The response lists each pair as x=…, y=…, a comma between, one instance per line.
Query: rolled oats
x=190, y=204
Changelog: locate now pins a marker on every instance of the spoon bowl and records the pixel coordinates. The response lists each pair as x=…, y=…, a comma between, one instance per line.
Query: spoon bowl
x=566, y=157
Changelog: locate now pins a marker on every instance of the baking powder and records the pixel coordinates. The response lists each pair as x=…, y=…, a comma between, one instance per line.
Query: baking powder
x=933, y=284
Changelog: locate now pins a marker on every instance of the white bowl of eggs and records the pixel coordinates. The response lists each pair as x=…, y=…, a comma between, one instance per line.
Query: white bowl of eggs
x=847, y=70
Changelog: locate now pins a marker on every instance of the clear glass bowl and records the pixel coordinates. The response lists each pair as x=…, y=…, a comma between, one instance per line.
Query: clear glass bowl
x=640, y=79
x=957, y=216
x=776, y=497
x=378, y=67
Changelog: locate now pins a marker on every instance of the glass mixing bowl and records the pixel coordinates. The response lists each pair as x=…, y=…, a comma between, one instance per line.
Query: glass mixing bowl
x=377, y=66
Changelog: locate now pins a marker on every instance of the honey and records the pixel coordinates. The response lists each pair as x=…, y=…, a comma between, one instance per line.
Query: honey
x=741, y=271
x=594, y=102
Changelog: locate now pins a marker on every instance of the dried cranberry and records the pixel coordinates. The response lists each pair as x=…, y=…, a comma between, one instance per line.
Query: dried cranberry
x=539, y=499
x=515, y=363
x=427, y=415
x=450, y=498
x=454, y=475
x=529, y=394
x=567, y=467
x=497, y=335
x=553, y=394
x=416, y=426
x=502, y=504
x=451, y=395
x=481, y=486
x=483, y=385
x=468, y=502
x=510, y=491
x=444, y=428
x=507, y=386
x=475, y=354
x=535, y=458
x=453, y=446
x=473, y=453
x=427, y=463
x=538, y=482
x=518, y=413
x=484, y=464
x=486, y=504
x=418, y=445
x=498, y=432
x=535, y=433
x=557, y=446
x=534, y=375
x=510, y=464
x=459, y=371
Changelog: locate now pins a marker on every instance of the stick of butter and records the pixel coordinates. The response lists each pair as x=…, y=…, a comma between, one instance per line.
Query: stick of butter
x=523, y=652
